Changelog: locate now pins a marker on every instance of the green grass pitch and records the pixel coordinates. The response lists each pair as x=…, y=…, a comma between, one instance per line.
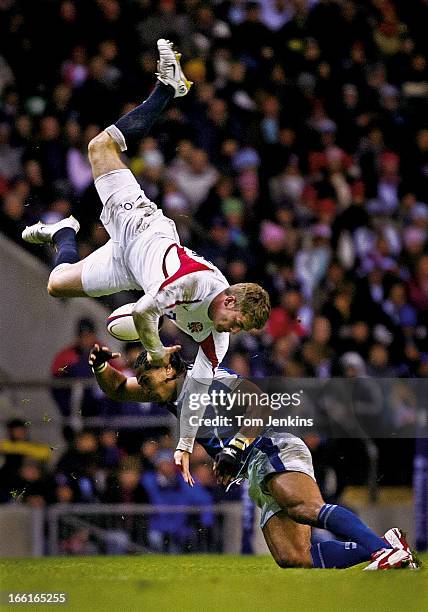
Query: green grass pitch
x=210, y=583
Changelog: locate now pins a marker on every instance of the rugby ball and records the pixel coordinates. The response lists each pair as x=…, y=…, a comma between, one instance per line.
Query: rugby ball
x=120, y=324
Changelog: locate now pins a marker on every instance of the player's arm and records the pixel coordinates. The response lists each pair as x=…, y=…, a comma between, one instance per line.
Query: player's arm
x=115, y=385
x=228, y=461
x=211, y=352
x=146, y=314
x=195, y=386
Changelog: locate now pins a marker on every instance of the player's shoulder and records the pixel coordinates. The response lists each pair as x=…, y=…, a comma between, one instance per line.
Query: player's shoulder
x=209, y=284
x=212, y=273
x=219, y=278
x=214, y=277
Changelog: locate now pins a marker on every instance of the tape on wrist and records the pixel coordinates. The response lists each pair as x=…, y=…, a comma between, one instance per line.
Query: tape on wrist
x=240, y=442
x=100, y=368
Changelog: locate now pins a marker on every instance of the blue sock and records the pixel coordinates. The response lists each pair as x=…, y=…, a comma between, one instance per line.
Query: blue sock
x=338, y=554
x=66, y=245
x=137, y=123
x=346, y=524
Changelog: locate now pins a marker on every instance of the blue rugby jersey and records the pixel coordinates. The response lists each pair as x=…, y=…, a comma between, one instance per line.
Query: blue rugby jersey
x=213, y=439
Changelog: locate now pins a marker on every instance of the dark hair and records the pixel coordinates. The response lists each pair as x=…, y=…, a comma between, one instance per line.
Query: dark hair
x=85, y=325
x=13, y=423
x=176, y=361
x=129, y=346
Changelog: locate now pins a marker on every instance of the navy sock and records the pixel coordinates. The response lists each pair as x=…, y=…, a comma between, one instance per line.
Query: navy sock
x=333, y=553
x=346, y=524
x=137, y=123
x=66, y=245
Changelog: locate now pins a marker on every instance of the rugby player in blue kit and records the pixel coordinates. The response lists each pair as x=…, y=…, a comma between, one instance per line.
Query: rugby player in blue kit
x=277, y=465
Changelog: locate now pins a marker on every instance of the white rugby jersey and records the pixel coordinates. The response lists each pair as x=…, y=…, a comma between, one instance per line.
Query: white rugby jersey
x=225, y=380
x=225, y=377
x=190, y=284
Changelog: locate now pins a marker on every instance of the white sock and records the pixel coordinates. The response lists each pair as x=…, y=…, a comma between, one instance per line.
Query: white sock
x=114, y=133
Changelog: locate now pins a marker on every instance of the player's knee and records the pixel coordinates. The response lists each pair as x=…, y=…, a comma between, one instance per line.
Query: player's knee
x=99, y=144
x=55, y=287
x=305, y=512
x=294, y=558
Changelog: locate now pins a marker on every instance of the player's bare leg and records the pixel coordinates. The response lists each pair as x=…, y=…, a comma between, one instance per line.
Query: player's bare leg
x=172, y=83
x=66, y=280
x=288, y=542
x=104, y=155
x=298, y=494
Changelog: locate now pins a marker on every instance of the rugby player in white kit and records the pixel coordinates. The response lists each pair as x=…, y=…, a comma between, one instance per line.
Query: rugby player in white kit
x=144, y=253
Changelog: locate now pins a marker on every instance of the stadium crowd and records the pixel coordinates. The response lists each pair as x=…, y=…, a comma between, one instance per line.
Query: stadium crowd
x=94, y=468
x=299, y=160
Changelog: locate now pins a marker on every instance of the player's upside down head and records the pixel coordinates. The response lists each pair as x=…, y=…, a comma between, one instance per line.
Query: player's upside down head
x=159, y=382
x=253, y=301
x=244, y=306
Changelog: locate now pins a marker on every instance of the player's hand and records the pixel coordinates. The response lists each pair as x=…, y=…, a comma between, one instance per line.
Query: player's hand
x=227, y=464
x=182, y=460
x=164, y=361
x=99, y=356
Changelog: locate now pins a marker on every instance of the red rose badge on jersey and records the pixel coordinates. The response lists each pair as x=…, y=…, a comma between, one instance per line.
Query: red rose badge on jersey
x=195, y=327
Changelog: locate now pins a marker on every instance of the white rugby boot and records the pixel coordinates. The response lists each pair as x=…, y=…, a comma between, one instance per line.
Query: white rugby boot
x=390, y=558
x=169, y=69
x=397, y=539
x=43, y=233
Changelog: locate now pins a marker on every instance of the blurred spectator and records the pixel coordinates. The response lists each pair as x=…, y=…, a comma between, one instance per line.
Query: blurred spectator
x=195, y=178
x=322, y=364
x=239, y=363
x=71, y=363
x=125, y=485
x=312, y=260
x=173, y=532
x=418, y=285
x=13, y=216
x=378, y=362
x=79, y=170
x=10, y=156
x=78, y=466
x=109, y=453
x=31, y=484
x=17, y=449
x=79, y=543
x=285, y=319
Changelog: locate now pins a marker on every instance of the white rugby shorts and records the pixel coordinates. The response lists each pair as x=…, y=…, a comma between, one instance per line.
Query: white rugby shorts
x=276, y=453
x=139, y=236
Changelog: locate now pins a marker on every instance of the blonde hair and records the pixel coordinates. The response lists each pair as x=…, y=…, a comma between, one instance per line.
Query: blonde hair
x=253, y=301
